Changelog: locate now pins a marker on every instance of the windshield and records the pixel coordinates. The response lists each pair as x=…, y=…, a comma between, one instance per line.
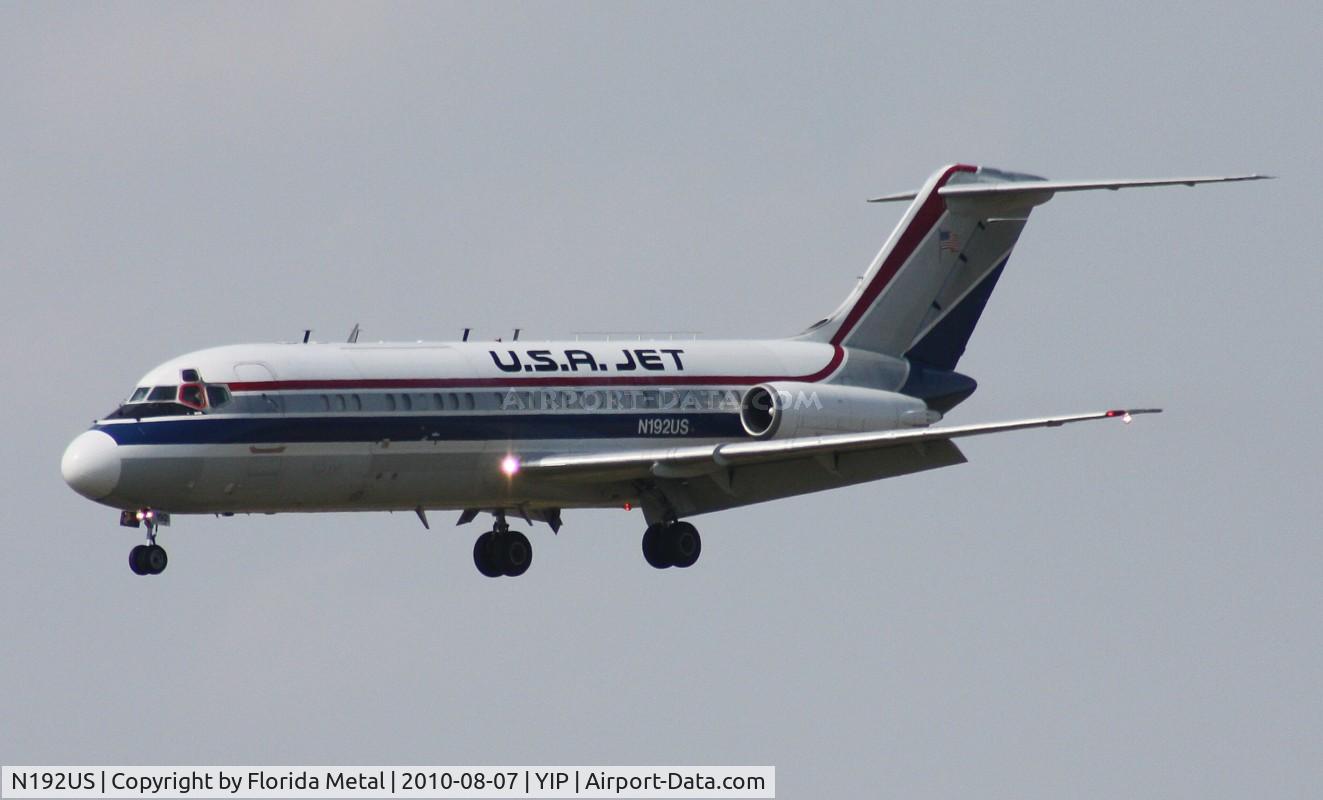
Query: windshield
x=167, y=408
x=171, y=401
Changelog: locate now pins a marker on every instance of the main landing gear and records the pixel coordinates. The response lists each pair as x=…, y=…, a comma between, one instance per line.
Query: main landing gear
x=150, y=558
x=502, y=551
x=672, y=544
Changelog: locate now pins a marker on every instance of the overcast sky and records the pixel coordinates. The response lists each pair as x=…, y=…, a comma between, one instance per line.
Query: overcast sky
x=1100, y=611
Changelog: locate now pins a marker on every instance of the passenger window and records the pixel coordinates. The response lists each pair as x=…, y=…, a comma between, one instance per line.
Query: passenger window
x=468, y=401
x=437, y=402
x=356, y=402
x=217, y=396
x=326, y=403
x=452, y=402
x=406, y=402
x=390, y=402
x=339, y=402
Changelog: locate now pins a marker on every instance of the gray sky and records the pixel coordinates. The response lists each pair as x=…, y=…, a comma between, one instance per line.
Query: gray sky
x=1099, y=611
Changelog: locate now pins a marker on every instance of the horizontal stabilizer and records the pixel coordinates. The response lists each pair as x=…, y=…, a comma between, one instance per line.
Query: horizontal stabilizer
x=1026, y=187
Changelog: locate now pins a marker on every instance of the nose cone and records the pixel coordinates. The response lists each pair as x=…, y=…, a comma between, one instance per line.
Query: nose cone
x=91, y=465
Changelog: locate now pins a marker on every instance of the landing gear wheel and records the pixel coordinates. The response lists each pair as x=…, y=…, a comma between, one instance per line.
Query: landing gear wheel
x=516, y=553
x=138, y=560
x=683, y=544
x=484, y=555
x=148, y=559
x=654, y=550
x=155, y=559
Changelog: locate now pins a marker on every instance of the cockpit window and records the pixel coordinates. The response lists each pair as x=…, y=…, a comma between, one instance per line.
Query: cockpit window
x=217, y=396
x=190, y=394
x=171, y=401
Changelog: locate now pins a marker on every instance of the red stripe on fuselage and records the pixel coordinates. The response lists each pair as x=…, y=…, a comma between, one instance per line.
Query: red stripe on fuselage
x=924, y=219
x=838, y=356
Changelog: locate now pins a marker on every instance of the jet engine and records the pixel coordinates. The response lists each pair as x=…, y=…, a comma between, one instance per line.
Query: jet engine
x=786, y=409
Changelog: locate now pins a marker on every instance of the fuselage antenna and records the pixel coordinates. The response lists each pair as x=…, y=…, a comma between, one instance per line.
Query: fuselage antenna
x=307, y=332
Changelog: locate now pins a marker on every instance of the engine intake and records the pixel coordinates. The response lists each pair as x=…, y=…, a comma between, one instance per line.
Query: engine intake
x=787, y=409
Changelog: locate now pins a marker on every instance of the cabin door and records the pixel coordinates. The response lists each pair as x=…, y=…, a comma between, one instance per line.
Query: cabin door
x=264, y=458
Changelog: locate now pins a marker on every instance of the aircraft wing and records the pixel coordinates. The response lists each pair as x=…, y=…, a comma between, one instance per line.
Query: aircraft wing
x=695, y=460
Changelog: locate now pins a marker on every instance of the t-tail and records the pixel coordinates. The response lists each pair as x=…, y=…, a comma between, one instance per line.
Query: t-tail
x=924, y=293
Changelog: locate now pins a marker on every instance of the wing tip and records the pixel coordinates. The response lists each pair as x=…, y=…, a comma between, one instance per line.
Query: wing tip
x=1127, y=413
x=1251, y=176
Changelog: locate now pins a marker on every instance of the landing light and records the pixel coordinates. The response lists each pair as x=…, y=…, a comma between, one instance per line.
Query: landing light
x=510, y=465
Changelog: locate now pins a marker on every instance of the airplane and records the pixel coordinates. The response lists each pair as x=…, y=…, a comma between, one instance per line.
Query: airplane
x=526, y=430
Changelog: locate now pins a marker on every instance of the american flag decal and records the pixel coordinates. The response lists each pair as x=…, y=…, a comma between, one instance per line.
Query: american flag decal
x=948, y=242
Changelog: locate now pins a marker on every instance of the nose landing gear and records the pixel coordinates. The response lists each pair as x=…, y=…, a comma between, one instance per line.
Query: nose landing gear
x=150, y=558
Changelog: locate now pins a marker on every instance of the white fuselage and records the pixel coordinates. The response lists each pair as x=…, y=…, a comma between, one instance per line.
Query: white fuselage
x=328, y=427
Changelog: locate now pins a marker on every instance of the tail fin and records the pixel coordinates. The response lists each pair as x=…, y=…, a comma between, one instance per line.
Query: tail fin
x=924, y=292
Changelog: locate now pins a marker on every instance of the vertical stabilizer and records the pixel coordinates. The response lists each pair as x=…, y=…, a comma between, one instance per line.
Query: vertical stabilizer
x=925, y=290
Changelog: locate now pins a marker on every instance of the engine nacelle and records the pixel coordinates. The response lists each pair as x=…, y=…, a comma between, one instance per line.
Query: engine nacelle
x=786, y=409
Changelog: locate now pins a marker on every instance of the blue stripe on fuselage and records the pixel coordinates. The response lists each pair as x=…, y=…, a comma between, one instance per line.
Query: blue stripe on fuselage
x=227, y=429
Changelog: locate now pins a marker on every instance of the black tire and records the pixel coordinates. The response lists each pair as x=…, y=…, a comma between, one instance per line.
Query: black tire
x=483, y=553
x=155, y=559
x=138, y=560
x=516, y=553
x=654, y=547
x=683, y=544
